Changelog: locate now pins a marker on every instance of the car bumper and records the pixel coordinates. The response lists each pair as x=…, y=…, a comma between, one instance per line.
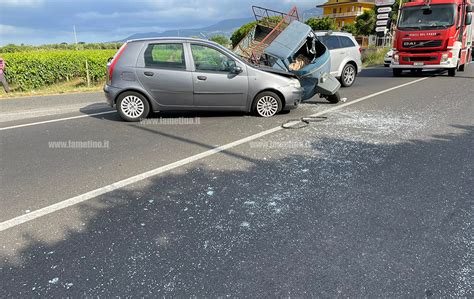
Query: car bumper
x=111, y=94
x=427, y=66
x=293, y=97
x=432, y=60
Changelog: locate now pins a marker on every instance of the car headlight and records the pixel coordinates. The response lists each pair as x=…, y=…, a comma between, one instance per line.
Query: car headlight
x=295, y=83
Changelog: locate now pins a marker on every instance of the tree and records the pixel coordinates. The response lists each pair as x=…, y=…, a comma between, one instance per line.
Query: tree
x=324, y=23
x=365, y=23
x=240, y=33
x=220, y=39
x=351, y=28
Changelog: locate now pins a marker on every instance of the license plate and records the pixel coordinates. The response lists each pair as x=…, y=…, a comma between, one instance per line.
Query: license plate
x=418, y=63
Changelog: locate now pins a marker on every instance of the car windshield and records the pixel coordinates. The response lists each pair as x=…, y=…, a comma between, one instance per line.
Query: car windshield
x=432, y=17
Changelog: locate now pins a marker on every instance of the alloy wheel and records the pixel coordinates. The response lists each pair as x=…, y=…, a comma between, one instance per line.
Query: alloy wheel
x=349, y=75
x=267, y=106
x=132, y=106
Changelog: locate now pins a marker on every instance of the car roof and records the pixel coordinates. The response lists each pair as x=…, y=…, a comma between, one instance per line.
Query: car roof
x=336, y=33
x=181, y=39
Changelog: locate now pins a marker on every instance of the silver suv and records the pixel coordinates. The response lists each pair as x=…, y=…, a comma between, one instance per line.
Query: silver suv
x=192, y=74
x=346, y=60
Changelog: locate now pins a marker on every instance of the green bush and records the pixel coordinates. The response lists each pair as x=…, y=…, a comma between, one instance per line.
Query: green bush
x=324, y=23
x=35, y=69
x=221, y=40
x=374, y=56
x=240, y=33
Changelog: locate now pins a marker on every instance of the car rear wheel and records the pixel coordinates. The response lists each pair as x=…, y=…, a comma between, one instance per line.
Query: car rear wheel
x=132, y=106
x=348, y=75
x=267, y=104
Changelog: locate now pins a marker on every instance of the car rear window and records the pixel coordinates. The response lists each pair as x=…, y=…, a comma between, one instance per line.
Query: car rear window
x=165, y=56
x=332, y=42
x=346, y=42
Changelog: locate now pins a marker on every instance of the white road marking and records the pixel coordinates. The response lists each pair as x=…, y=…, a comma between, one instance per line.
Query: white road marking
x=55, y=120
x=32, y=113
x=126, y=182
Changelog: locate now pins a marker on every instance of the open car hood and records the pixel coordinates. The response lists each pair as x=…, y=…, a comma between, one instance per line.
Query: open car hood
x=276, y=71
x=289, y=41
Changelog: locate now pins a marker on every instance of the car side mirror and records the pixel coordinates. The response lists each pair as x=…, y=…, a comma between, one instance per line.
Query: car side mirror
x=469, y=19
x=236, y=70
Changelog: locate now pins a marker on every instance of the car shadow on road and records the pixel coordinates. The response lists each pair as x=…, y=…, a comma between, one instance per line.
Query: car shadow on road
x=347, y=218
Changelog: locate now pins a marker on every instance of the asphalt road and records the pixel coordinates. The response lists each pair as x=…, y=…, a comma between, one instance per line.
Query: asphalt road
x=374, y=201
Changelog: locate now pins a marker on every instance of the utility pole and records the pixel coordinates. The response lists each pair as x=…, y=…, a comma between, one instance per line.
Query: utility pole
x=75, y=35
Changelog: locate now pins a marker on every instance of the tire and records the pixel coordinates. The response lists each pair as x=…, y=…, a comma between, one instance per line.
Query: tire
x=462, y=67
x=132, y=106
x=334, y=99
x=267, y=104
x=386, y=65
x=397, y=72
x=348, y=76
x=452, y=72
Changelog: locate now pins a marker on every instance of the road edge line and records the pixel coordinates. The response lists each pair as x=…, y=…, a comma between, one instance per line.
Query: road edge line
x=56, y=120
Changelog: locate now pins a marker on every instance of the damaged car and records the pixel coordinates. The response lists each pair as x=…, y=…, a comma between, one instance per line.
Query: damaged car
x=175, y=74
x=297, y=50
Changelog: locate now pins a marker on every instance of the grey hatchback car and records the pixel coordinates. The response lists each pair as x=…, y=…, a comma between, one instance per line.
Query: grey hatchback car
x=172, y=74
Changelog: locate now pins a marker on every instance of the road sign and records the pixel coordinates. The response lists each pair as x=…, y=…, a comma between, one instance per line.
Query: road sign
x=384, y=2
x=382, y=23
x=383, y=16
x=386, y=9
x=381, y=29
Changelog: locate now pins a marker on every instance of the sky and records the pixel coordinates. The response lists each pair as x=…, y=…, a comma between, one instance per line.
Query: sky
x=51, y=21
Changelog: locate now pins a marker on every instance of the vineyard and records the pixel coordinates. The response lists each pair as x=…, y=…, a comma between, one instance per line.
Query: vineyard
x=36, y=69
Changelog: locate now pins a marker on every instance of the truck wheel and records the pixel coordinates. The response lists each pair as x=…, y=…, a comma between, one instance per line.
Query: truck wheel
x=397, y=72
x=267, y=104
x=452, y=72
x=462, y=67
x=334, y=99
x=348, y=75
x=132, y=106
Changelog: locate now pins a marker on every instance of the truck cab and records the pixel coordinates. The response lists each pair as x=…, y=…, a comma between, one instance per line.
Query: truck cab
x=434, y=34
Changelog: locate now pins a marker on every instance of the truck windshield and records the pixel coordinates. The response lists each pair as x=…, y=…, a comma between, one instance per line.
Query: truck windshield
x=433, y=17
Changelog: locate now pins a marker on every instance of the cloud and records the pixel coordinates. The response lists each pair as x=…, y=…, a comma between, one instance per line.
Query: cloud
x=105, y=19
x=28, y=3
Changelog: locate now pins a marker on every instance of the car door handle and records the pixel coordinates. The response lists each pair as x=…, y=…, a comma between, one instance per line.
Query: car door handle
x=202, y=78
x=149, y=74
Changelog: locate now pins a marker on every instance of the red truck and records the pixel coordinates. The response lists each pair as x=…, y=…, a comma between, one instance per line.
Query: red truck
x=434, y=34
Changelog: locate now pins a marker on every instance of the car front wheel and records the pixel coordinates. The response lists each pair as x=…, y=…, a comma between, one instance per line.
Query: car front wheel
x=132, y=106
x=267, y=104
x=348, y=76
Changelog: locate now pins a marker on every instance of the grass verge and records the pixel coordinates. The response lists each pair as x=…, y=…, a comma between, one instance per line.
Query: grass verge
x=374, y=56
